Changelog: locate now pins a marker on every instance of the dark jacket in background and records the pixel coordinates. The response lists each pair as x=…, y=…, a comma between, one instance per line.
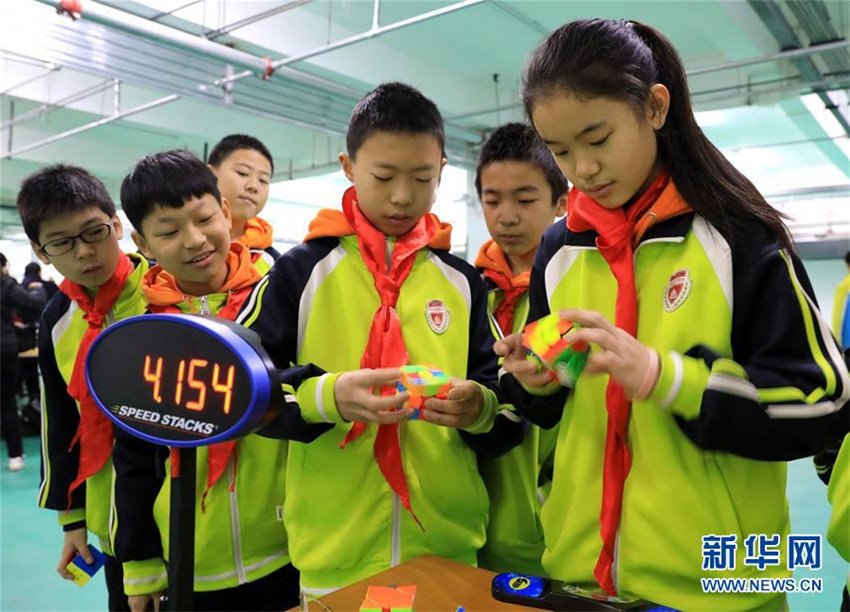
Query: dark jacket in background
x=15, y=299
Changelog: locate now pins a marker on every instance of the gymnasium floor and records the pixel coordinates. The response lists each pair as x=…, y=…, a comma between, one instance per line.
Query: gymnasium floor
x=30, y=541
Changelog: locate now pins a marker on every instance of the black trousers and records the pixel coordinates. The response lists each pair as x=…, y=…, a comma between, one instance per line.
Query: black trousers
x=277, y=591
x=10, y=425
x=115, y=585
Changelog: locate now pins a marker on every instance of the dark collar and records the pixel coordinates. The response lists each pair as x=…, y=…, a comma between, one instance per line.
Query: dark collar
x=677, y=227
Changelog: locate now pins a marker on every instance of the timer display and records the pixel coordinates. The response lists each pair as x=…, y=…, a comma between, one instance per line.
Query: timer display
x=182, y=380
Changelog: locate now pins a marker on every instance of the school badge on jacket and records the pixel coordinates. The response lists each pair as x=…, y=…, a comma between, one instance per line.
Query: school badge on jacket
x=437, y=316
x=677, y=290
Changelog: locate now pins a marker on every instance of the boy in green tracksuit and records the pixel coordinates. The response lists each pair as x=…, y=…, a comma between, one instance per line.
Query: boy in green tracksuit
x=374, y=288
x=243, y=166
x=70, y=220
x=521, y=192
x=241, y=558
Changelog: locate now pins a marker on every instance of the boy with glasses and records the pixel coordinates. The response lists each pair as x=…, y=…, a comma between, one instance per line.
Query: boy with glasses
x=71, y=223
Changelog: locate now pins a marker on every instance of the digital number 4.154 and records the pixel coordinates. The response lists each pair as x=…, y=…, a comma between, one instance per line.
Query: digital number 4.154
x=192, y=373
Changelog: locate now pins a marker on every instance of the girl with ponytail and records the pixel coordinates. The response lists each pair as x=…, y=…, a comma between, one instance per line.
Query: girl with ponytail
x=710, y=366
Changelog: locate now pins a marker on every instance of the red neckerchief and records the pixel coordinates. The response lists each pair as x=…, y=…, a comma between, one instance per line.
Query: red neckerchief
x=163, y=294
x=385, y=347
x=95, y=430
x=491, y=259
x=616, y=229
x=257, y=234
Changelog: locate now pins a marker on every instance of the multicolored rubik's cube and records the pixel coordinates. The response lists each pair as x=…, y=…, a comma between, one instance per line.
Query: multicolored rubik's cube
x=548, y=346
x=422, y=382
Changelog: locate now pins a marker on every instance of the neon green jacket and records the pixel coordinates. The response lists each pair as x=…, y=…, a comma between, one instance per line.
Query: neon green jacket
x=750, y=378
x=838, y=493
x=839, y=307
x=515, y=481
x=316, y=307
x=60, y=332
x=239, y=538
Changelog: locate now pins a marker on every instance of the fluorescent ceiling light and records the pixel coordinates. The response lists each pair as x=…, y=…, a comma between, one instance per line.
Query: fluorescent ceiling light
x=710, y=118
x=827, y=120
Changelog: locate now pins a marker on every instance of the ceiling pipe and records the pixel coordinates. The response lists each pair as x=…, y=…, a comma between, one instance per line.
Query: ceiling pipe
x=52, y=106
x=790, y=54
x=345, y=42
x=376, y=15
x=254, y=19
x=51, y=68
x=91, y=126
x=793, y=53
x=133, y=24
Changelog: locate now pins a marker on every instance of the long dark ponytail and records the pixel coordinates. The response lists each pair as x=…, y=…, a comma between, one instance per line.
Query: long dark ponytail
x=622, y=60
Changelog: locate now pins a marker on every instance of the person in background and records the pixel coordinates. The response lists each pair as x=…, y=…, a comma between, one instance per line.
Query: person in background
x=32, y=274
x=522, y=191
x=244, y=167
x=14, y=300
x=28, y=388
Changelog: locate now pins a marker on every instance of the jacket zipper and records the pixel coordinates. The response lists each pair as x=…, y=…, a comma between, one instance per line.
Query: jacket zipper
x=234, y=527
x=395, y=557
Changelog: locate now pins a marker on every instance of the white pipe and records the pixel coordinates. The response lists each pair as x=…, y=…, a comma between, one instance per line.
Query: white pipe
x=345, y=42
x=116, y=97
x=51, y=106
x=376, y=15
x=791, y=53
x=227, y=29
x=50, y=69
x=91, y=126
x=127, y=22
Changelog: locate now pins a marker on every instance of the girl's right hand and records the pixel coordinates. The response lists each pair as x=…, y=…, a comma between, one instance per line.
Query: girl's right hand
x=526, y=372
x=355, y=400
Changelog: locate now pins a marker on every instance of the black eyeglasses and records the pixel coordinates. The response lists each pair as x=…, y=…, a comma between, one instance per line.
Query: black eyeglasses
x=60, y=246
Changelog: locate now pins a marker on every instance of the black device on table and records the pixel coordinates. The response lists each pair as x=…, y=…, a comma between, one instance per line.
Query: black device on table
x=549, y=594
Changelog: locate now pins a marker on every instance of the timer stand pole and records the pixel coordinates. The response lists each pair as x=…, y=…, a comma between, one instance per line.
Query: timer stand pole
x=181, y=539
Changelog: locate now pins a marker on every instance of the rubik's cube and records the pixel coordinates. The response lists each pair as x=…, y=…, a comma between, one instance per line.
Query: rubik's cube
x=389, y=599
x=548, y=346
x=422, y=382
x=82, y=571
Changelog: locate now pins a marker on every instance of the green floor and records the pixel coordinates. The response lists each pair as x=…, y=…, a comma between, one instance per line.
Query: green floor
x=30, y=542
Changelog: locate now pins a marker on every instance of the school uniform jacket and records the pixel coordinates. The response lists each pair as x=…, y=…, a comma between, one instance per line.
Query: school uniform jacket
x=750, y=378
x=263, y=259
x=60, y=332
x=517, y=481
x=316, y=306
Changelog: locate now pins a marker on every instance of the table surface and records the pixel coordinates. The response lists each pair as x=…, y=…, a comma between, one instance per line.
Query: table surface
x=441, y=586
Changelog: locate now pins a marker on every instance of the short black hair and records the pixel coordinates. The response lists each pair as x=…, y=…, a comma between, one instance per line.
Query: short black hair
x=58, y=190
x=847, y=258
x=3, y=260
x=397, y=108
x=33, y=268
x=235, y=142
x=165, y=179
x=520, y=142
